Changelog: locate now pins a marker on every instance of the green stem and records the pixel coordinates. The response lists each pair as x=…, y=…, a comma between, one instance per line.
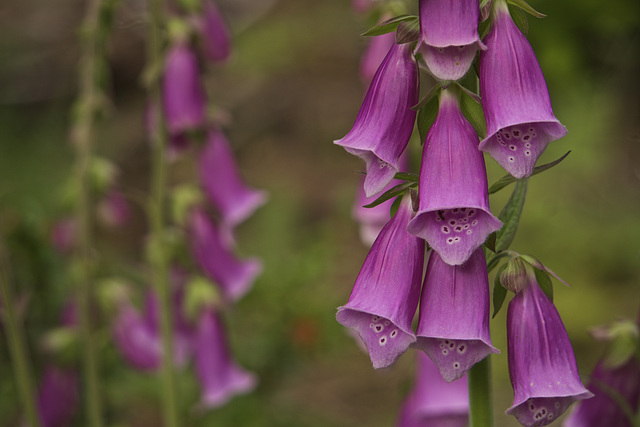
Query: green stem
x=159, y=259
x=17, y=346
x=481, y=394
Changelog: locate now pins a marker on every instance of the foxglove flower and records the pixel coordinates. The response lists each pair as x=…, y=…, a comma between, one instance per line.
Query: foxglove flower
x=182, y=91
x=385, y=121
x=385, y=295
x=515, y=99
x=374, y=55
x=234, y=276
x=361, y=6
x=214, y=32
x=453, y=215
x=220, y=177
x=177, y=143
x=449, y=36
x=63, y=235
x=58, y=396
x=453, y=327
x=433, y=402
x=603, y=409
x=113, y=209
x=220, y=377
x=542, y=366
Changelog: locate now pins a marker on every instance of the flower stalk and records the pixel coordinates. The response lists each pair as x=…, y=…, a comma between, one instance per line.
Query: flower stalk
x=480, y=394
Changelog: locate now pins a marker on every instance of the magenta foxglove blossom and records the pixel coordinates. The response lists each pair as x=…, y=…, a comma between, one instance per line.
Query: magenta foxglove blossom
x=214, y=32
x=63, y=234
x=177, y=143
x=602, y=409
x=374, y=55
x=453, y=327
x=361, y=6
x=221, y=179
x=433, y=402
x=542, y=366
x=385, y=121
x=58, y=396
x=385, y=295
x=220, y=377
x=114, y=209
x=234, y=276
x=182, y=91
x=515, y=99
x=453, y=215
x=449, y=36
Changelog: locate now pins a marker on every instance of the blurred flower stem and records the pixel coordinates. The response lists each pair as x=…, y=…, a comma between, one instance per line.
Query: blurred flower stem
x=17, y=343
x=157, y=253
x=480, y=394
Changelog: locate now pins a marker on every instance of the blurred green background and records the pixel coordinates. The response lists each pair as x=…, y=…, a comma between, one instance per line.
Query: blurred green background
x=291, y=88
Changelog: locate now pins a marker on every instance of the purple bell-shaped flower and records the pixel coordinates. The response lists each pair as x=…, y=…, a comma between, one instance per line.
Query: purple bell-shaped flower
x=214, y=33
x=453, y=327
x=542, y=366
x=385, y=295
x=453, y=214
x=58, y=396
x=385, y=121
x=374, y=54
x=515, y=99
x=449, y=36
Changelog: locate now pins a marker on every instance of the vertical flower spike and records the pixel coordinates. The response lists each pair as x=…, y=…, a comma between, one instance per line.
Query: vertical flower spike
x=183, y=95
x=385, y=295
x=220, y=177
x=603, y=409
x=219, y=376
x=449, y=36
x=453, y=215
x=433, y=402
x=234, y=276
x=374, y=54
x=542, y=366
x=58, y=397
x=385, y=121
x=215, y=33
x=453, y=328
x=515, y=99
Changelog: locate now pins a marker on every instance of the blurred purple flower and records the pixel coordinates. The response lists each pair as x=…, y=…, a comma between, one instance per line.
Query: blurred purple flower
x=542, y=366
x=221, y=179
x=453, y=327
x=453, y=214
x=374, y=55
x=177, y=143
x=385, y=120
x=58, y=396
x=63, y=235
x=234, y=276
x=433, y=402
x=361, y=6
x=220, y=377
x=385, y=295
x=449, y=36
x=214, y=33
x=114, y=209
x=515, y=99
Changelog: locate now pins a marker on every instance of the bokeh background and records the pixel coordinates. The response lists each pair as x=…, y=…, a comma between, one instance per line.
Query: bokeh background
x=291, y=88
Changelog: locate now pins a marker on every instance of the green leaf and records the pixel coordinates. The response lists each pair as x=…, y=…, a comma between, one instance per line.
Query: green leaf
x=625, y=341
x=389, y=25
x=544, y=282
x=508, y=179
x=519, y=18
x=395, y=206
x=493, y=261
x=408, y=32
x=499, y=293
x=472, y=110
x=404, y=176
x=391, y=193
x=510, y=216
x=490, y=243
x=527, y=8
x=426, y=117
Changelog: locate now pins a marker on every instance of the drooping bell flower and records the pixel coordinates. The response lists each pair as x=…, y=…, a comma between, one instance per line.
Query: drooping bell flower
x=234, y=276
x=515, y=99
x=220, y=377
x=214, y=33
x=223, y=184
x=374, y=55
x=434, y=402
x=542, y=367
x=113, y=209
x=182, y=91
x=177, y=143
x=453, y=215
x=385, y=121
x=453, y=327
x=58, y=396
x=449, y=36
x=603, y=409
x=385, y=295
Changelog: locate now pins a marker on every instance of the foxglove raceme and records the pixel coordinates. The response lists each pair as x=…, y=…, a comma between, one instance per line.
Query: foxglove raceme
x=449, y=36
x=603, y=409
x=220, y=177
x=515, y=99
x=453, y=327
x=434, y=402
x=374, y=55
x=58, y=396
x=214, y=32
x=385, y=121
x=542, y=366
x=385, y=295
x=182, y=91
x=453, y=215
x=220, y=377
x=234, y=276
